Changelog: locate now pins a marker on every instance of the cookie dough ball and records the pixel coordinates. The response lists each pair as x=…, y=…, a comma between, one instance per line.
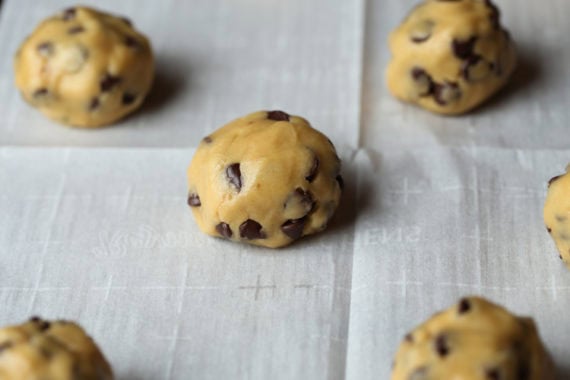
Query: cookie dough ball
x=450, y=55
x=266, y=179
x=43, y=350
x=473, y=340
x=85, y=68
x=557, y=214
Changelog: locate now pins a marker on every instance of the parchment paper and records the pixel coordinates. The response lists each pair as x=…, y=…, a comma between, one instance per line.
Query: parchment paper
x=94, y=225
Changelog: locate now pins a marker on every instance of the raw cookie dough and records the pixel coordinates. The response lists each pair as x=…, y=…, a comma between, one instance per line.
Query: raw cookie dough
x=266, y=179
x=473, y=340
x=450, y=55
x=85, y=68
x=43, y=350
x=557, y=214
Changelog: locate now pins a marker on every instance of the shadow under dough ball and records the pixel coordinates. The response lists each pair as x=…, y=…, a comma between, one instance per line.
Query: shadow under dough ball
x=450, y=56
x=557, y=214
x=50, y=350
x=85, y=68
x=474, y=339
x=267, y=179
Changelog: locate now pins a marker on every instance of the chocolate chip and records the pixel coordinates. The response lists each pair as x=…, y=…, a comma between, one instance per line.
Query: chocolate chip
x=126, y=21
x=44, y=325
x=131, y=42
x=294, y=228
x=464, y=49
x=224, y=230
x=94, y=104
x=108, y=82
x=561, y=258
x=35, y=319
x=549, y=229
x=251, y=230
x=278, y=116
x=422, y=80
x=554, y=179
x=45, y=49
x=5, y=346
x=409, y=338
x=233, y=174
x=493, y=374
x=76, y=30
x=340, y=181
x=128, y=98
x=523, y=372
x=69, y=14
x=207, y=139
x=194, y=200
x=306, y=198
x=446, y=93
x=464, y=306
x=40, y=93
x=421, y=32
x=313, y=172
x=475, y=68
x=495, y=15
x=441, y=345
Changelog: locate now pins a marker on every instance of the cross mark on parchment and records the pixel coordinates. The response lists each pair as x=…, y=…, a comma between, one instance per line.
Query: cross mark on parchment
x=258, y=287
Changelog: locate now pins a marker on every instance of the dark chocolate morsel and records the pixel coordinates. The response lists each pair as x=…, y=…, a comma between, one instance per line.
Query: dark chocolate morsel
x=128, y=98
x=306, y=198
x=548, y=229
x=340, y=181
x=131, y=42
x=441, y=346
x=39, y=93
x=446, y=93
x=76, y=30
x=250, y=230
x=35, y=319
x=293, y=228
x=45, y=49
x=194, y=200
x=409, y=338
x=422, y=80
x=278, y=116
x=69, y=14
x=233, y=174
x=554, y=179
x=464, y=49
x=5, y=346
x=313, y=172
x=495, y=15
x=493, y=374
x=464, y=306
x=44, y=325
x=126, y=21
x=108, y=82
x=207, y=139
x=94, y=104
x=224, y=230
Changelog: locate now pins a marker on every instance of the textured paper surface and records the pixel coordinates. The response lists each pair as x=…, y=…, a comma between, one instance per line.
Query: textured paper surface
x=94, y=226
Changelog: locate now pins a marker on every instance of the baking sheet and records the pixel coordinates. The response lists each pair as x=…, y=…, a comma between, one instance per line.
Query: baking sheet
x=94, y=226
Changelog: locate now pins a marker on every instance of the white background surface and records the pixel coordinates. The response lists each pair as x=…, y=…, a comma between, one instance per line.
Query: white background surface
x=94, y=227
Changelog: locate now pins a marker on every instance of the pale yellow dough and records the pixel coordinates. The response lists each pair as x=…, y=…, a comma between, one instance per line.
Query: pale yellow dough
x=266, y=179
x=85, y=68
x=43, y=350
x=473, y=340
x=557, y=214
x=449, y=56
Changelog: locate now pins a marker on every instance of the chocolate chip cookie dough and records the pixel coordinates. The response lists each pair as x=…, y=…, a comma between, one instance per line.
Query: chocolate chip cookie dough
x=267, y=179
x=557, y=214
x=85, y=68
x=449, y=56
x=43, y=350
x=474, y=339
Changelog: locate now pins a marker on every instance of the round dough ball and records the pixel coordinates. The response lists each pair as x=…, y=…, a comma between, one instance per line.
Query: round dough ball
x=266, y=179
x=557, y=214
x=43, y=350
x=85, y=68
x=473, y=340
x=450, y=55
